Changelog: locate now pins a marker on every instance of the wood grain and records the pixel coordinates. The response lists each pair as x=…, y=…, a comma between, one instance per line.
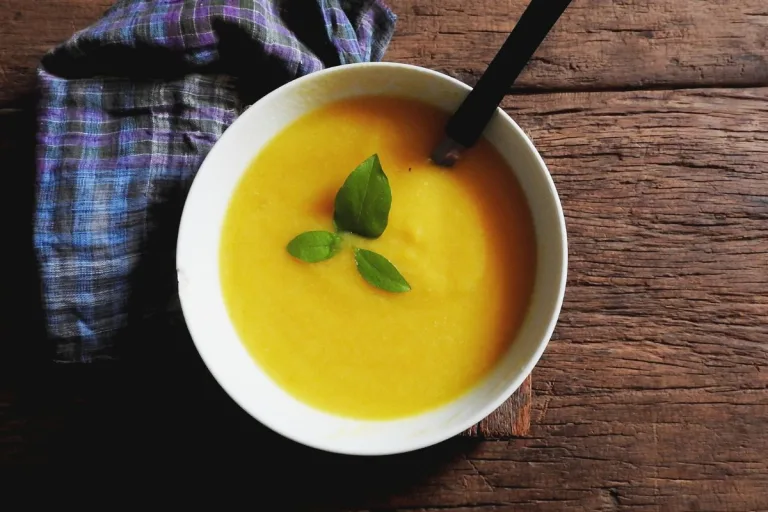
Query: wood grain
x=29, y=29
x=513, y=418
x=598, y=44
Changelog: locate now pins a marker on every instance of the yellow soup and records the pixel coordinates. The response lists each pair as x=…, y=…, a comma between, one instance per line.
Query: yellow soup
x=463, y=238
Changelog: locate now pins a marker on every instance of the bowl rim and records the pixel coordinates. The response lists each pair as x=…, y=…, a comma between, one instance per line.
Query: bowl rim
x=439, y=434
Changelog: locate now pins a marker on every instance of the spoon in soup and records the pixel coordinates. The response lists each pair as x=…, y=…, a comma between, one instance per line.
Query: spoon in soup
x=466, y=125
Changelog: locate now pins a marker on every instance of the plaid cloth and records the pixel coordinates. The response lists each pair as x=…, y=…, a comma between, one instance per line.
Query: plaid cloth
x=129, y=108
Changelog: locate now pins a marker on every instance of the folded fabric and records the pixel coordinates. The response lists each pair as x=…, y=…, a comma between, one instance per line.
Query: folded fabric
x=129, y=108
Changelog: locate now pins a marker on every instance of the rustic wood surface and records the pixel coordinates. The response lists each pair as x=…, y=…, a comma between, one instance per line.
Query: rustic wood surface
x=513, y=418
x=652, y=395
x=598, y=44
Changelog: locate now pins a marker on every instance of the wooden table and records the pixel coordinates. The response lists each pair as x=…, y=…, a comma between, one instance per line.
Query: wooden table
x=653, y=394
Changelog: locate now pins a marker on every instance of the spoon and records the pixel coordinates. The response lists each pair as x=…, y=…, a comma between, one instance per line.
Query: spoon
x=466, y=125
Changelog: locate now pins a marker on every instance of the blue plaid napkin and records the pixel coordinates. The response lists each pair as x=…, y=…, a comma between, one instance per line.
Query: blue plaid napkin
x=129, y=108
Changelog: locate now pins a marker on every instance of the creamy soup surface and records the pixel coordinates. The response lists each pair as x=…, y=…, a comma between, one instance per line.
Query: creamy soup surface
x=462, y=237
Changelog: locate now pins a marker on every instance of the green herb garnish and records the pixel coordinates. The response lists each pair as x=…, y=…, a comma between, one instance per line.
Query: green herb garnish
x=314, y=246
x=362, y=208
x=378, y=271
x=363, y=202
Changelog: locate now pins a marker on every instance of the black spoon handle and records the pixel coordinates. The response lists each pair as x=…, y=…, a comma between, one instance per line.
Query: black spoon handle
x=467, y=124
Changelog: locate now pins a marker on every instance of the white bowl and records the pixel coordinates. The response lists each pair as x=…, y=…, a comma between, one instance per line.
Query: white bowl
x=197, y=263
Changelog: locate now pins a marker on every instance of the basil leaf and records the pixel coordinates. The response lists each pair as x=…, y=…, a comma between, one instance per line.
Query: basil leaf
x=314, y=246
x=363, y=202
x=378, y=271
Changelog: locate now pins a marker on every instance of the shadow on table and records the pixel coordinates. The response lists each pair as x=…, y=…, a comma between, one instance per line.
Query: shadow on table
x=21, y=317
x=171, y=414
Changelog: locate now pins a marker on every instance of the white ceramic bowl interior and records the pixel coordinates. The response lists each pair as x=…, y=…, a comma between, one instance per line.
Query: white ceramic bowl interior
x=200, y=289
